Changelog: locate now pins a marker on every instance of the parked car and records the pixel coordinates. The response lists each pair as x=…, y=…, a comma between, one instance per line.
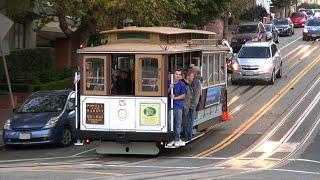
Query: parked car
x=309, y=12
x=299, y=19
x=246, y=32
x=44, y=117
x=258, y=61
x=312, y=29
x=272, y=33
x=284, y=26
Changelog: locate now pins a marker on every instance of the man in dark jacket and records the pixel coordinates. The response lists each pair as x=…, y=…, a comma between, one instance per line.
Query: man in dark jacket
x=194, y=101
x=187, y=120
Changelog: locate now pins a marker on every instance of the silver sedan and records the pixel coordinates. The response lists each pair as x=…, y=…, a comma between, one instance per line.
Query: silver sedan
x=258, y=61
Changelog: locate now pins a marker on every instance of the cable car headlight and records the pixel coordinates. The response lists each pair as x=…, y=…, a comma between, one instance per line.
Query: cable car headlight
x=122, y=114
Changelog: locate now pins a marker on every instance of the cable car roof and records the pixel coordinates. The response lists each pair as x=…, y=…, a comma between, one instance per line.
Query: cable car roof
x=159, y=30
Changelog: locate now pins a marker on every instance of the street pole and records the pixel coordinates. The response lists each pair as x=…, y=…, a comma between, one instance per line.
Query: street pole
x=6, y=71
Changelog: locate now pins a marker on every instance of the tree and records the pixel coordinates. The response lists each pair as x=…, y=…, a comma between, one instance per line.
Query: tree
x=283, y=5
x=90, y=16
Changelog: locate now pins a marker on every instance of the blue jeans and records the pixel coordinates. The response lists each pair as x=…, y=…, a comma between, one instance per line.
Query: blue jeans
x=190, y=123
x=177, y=120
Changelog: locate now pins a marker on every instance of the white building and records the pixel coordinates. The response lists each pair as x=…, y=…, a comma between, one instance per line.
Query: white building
x=265, y=4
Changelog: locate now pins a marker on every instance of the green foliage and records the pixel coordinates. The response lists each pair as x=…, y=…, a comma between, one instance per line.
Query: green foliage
x=19, y=87
x=257, y=12
x=23, y=87
x=309, y=6
x=32, y=69
x=26, y=65
x=18, y=10
x=54, y=85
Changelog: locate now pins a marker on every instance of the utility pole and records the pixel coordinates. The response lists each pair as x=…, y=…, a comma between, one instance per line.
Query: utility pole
x=5, y=25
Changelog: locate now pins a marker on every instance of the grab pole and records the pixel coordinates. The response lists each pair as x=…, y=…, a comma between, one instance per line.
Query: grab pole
x=171, y=104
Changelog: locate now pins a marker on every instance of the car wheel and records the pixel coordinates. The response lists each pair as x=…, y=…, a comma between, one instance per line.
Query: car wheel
x=66, y=137
x=279, y=73
x=272, y=79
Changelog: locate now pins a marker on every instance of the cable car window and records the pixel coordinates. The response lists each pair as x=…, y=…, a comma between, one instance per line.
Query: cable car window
x=133, y=35
x=216, y=69
x=205, y=70
x=222, y=71
x=149, y=75
x=211, y=70
x=94, y=74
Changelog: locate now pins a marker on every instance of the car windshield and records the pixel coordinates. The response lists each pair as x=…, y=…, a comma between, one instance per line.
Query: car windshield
x=268, y=28
x=309, y=12
x=280, y=22
x=44, y=103
x=297, y=15
x=247, y=29
x=254, y=52
x=313, y=22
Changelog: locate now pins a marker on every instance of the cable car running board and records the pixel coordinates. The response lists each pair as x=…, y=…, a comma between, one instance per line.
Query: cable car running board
x=143, y=148
x=187, y=142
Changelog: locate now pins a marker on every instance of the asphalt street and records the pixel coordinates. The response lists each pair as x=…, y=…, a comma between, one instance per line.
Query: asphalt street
x=274, y=134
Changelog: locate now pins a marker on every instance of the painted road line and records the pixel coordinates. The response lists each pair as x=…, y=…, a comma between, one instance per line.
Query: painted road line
x=293, y=50
x=305, y=160
x=290, y=43
x=249, y=122
x=294, y=171
x=78, y=154
x=39, y=159
x=5, y=170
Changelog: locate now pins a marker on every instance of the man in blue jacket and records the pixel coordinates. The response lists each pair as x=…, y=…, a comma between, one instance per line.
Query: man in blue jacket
x=179, y=91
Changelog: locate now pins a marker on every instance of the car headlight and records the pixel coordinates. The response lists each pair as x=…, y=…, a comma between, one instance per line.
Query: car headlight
x=7, y=125
x=286, y=29
x=52, y=122
x=235, y=66
x=305, y=30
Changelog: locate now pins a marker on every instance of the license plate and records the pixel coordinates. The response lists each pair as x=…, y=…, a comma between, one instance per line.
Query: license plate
x=249, y=73
x=24, y=136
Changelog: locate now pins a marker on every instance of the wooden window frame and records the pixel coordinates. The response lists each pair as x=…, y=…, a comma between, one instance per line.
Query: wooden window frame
x=138, y=74
x=106, y=70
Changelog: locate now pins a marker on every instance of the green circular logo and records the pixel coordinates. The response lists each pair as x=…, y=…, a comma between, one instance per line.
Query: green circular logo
x=149, y=111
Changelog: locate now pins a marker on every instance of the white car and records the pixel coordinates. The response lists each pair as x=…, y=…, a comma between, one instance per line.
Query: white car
x=258, y=61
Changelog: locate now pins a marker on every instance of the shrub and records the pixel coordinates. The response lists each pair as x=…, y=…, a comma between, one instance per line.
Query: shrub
x=60, y=84
x=26, y=64
x=257, y=12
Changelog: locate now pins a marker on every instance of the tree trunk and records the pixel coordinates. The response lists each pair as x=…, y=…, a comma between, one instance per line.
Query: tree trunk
x=277, y=12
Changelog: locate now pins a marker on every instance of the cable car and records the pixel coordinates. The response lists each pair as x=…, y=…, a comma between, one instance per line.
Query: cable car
x=123, y=93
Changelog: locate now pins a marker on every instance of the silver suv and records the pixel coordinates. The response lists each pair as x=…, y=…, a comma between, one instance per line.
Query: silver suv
x=258, y=60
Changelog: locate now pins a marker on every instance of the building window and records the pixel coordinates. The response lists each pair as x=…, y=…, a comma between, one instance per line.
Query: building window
x=19, y=35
